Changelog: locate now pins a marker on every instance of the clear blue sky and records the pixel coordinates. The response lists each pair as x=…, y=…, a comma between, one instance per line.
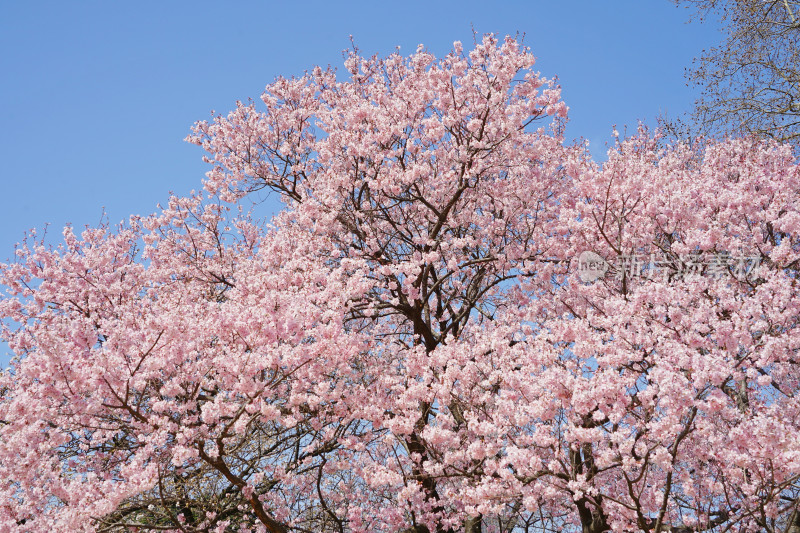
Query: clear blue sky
x=98, y=96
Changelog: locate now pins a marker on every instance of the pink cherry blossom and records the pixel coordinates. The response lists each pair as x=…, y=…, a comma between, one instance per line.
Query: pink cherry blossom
x=407, y=346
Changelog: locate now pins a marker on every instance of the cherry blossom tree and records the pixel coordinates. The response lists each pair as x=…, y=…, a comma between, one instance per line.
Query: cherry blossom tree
x=408, y=345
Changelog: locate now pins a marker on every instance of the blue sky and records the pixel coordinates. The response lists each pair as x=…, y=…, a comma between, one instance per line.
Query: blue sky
x=98, y=96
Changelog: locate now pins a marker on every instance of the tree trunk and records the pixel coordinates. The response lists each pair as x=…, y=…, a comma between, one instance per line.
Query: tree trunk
x=794, y=522
x=473, y=524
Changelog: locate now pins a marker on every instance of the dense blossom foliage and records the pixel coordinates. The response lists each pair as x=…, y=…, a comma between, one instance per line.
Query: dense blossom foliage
x=407, y=346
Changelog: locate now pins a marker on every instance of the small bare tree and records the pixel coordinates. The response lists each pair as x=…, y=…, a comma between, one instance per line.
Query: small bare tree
x=751, y=82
